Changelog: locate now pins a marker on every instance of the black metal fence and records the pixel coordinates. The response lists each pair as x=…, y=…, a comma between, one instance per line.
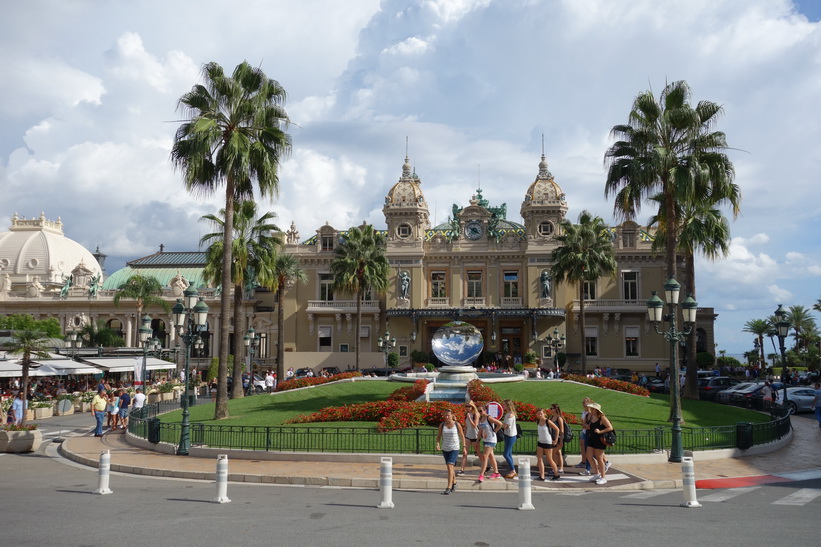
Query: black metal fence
x=311, y=438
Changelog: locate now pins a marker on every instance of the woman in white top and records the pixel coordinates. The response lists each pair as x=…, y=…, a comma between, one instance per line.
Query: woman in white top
x=548, y=432
x=447, y=440
x=471, y=434
x=488, y=426
x=510, y=435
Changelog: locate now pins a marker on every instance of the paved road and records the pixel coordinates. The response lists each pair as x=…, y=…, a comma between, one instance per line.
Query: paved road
x=46, y=501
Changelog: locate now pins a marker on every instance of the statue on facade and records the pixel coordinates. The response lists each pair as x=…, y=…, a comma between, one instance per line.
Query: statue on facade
x=5, y=286
x=94, y=285
x=545, y=283
x=178, y=284
x=34, y=287
x=67, y=283
x=404, y=285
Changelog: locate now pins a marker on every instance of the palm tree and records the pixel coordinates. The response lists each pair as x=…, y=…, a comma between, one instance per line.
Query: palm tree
x=235, y=137
x=358, y=266
x=667, y=148
x=27, y=343
x=760, y=328
x=277, y=273
x=702, y=229
x=99, y=334
x=146, y=290
x=802, y=322
x=585, y=254
x=817, y=305
x=253, y=239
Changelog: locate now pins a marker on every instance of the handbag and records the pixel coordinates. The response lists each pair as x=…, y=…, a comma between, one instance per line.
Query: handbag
x=568, y=433
x=609, y=438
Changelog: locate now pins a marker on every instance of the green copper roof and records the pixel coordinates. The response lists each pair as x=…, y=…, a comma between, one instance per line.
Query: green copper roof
x=163, y=275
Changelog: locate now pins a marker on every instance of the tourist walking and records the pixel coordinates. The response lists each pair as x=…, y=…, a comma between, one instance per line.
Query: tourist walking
x=548, y=433
x=488, y=426
x=124, y=402
x=98, y=408
x=448, y=441
x=556, y=418
x=18, y=408
x=471, y=430
x=599, y=425
x=585, y=463
x=112, y=409
x=510, y=432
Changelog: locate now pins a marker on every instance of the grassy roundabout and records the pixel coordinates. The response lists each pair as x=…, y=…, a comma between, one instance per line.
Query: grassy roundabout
x=624, y=410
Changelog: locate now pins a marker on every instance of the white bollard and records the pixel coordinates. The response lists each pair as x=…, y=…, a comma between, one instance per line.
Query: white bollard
x=386, y=484
x=525, y=503
x=688, y=479
x=222, y=480
x=104, y=473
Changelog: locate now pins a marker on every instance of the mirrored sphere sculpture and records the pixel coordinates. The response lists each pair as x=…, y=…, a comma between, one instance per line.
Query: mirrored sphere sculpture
x=457, y=343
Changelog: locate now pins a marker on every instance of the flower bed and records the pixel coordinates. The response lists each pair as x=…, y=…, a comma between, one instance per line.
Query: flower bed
x=409, y=393
x=607, y=383
x=314, y=381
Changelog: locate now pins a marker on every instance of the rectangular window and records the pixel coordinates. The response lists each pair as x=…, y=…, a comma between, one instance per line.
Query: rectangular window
x=325, y=339
x=474, y=284
x=328, y=242
x=403, y=351
x=438, y=285
x=628, y=239
x=365, y=331
x=590, y=290
x=631, y=341
x=344, y=348
x=591, y=341
x=262, y=350
x=511, y=281
x=326, y=292
x=630, y=282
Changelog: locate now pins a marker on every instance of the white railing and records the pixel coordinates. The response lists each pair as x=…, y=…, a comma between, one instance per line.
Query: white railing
x=588, y=304
x=342, y=305
x=511, y=302
x=477, y=301
x=439, y=302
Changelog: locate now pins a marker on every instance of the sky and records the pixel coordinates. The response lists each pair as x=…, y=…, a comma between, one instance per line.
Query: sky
x=89, y=90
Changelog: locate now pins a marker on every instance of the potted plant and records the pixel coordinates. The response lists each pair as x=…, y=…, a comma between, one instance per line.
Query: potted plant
x=85, y=401
x=43, y=408
x=20, y=438
x=154, y=395
x=419, y=357
x=530, y=359
x=166, y=391
x=393, y=359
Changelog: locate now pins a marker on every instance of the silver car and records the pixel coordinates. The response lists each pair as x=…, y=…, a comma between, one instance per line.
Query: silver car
x=799, y=398
x=724, y=396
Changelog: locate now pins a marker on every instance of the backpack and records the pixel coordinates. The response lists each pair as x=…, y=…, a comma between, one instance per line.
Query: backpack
x=518, y=431
x=609, y=438
x=568, y=432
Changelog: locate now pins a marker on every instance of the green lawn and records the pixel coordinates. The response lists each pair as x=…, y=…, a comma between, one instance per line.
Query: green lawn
x=625, y=411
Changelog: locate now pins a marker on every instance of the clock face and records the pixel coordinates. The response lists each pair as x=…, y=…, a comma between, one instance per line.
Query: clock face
x=474, y=230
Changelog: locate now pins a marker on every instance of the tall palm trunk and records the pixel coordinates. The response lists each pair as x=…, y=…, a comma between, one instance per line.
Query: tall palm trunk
x=221, y=406
x=582, y=328
x=280, y=331
x=691, y=381
x=239, y=349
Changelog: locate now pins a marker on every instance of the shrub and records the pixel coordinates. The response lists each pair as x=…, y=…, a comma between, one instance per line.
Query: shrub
x=705, y=360
x=409, y=393
x=607, y=383
x=418, y=356
x=296, y=383
x=393, y=359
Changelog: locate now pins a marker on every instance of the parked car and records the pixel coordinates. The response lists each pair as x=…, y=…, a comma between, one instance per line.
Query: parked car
x=378, y=371
x=656, y=385
x=259, y=382
x=799, y=399
x=303, y=372
x=710, y=387
x=751, y=396
x=724, y=396
x=331, y=371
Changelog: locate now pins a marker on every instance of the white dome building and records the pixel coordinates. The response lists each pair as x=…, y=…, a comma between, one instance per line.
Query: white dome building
x=36, y=257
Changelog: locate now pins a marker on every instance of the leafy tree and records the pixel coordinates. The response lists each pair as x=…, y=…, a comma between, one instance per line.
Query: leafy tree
x=801, y=322
x=146, y=290
x=27, y=343
x=705, y=360
x=276, y=273
x=254, y=240
x=95, y=335
x=585, y=254
x=50, y=326
x=760, y=328
x=393, y=359
x=234, y=138
x=358, y=266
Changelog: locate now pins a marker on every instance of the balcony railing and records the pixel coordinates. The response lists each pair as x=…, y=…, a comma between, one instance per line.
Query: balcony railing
x=511, y=302
x=474, y=302
x=341, y=306
x=439, y=302
x=609, y=304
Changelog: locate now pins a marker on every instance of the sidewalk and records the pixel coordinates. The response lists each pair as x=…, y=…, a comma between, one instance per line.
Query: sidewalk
x=801, y=453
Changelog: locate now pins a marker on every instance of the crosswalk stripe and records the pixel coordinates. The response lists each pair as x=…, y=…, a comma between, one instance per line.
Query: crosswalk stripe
x=799, y=497
x=645, y=494
x=728, y=494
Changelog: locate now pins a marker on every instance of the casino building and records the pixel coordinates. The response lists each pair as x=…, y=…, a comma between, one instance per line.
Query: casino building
x=479, y=266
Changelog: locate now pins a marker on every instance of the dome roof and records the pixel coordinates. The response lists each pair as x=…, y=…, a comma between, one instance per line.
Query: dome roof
x=406, y=192
x=37, y=247
x=544, y=189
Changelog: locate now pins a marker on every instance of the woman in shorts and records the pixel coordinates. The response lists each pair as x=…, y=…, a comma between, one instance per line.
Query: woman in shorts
x=447, y=440
x=488, y=426
x=599, y=425
x=471, y=434
x=556, y=418
x=548, y=431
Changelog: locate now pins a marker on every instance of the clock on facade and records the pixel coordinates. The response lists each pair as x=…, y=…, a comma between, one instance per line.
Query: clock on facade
x=474, y=230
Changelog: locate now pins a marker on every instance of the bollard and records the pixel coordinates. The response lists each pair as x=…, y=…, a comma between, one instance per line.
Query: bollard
x=688, y=476
x=525, y=486
x=222, y=480
x=104, y=473
x=386, y=484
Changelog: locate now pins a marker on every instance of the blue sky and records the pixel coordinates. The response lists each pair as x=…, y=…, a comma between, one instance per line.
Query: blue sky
x=89, y=91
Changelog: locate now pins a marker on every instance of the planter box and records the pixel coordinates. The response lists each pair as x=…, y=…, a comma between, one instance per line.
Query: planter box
x=20, y=441
x=43, y=412
x=154, y=398
x=167, y=396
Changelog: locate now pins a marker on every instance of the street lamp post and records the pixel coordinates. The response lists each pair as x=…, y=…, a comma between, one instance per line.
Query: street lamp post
x=251, y=342
x=146, y=342
x=654, y=312
x=782, y=327
x=385, y=344
x=190, y=314
x=555, y=343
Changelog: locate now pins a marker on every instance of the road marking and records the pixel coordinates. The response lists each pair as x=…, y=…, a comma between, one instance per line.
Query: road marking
x=645, y=494
x=802, y=475
x=728, y=494
x=800, y=497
